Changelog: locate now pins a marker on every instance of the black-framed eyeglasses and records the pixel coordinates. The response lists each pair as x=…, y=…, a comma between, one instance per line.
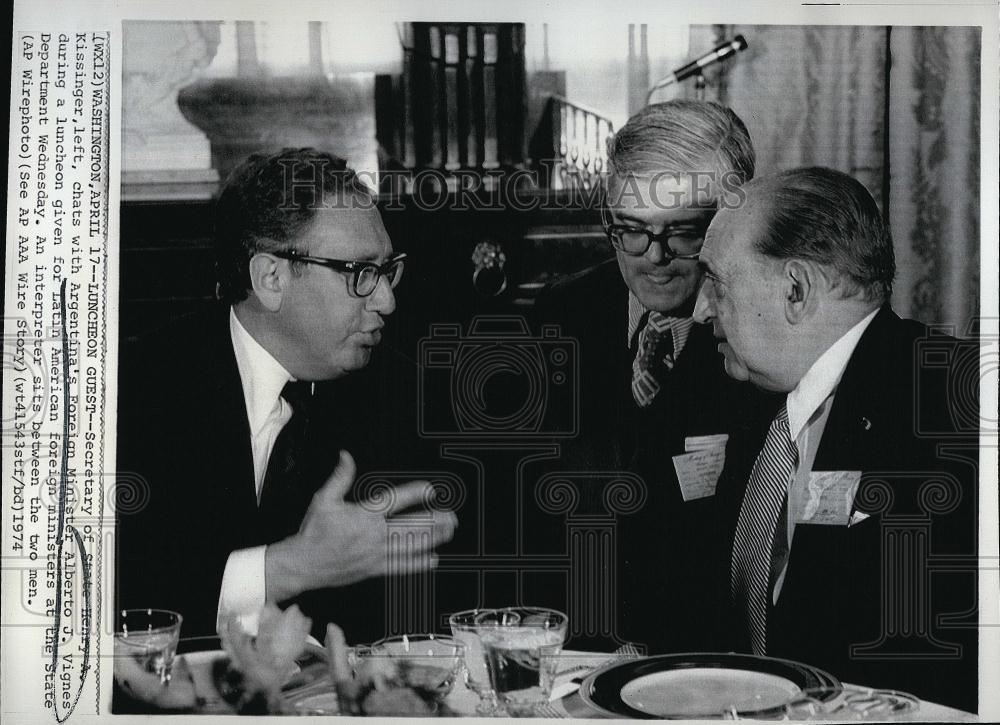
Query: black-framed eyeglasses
x=365, y=275
x=682, y=240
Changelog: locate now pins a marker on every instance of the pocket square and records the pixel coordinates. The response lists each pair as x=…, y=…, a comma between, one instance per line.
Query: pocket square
x=857, y=517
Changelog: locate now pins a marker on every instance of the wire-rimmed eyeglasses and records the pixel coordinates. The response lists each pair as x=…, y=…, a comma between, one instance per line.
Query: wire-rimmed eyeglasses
x=365, y=275
x=681, y=240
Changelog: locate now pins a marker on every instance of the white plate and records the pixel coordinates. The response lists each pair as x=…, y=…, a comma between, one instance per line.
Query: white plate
x=698, y=685
x=699, y=690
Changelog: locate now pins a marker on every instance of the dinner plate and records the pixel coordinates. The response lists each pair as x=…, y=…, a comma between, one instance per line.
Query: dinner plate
x=699, y=685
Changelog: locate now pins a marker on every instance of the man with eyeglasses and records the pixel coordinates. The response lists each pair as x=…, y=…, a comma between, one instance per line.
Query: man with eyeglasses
x=652, y=387
x=238, y=449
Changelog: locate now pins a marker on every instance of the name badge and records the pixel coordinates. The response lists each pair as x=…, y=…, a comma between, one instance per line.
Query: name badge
x=829, y=498
x=698, y=471
x=700, y=443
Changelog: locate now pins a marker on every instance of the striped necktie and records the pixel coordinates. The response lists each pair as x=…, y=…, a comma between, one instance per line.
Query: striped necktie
x=750, y=577
x=655, y=354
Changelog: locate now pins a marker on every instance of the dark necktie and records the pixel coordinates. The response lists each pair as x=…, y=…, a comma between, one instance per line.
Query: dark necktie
x=654, y=357
x=282, y=480
x=754, y=549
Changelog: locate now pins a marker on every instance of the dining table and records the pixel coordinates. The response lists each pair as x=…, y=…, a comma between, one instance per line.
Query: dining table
x=571, y=667
x=575, y=665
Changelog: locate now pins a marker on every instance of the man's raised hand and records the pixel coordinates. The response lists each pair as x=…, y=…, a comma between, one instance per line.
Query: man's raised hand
x=340, y=543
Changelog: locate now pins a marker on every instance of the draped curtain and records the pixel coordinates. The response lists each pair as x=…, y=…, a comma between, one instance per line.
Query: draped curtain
x=898, y=109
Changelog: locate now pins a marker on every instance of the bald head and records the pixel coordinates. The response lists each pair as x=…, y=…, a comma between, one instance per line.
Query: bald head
x=827, y=218
x=803, y=260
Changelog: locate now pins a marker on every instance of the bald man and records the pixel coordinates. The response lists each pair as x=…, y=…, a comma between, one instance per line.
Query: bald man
x=850, y=517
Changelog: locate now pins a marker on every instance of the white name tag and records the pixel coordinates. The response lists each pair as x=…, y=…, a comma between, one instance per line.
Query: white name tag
x=698, y=472
x=829, y=498
x=700, y=443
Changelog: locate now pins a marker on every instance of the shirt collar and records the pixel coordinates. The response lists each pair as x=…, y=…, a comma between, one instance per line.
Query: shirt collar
x=635, y=312
x=263, y=377
x=822, y=378
x=680, y=327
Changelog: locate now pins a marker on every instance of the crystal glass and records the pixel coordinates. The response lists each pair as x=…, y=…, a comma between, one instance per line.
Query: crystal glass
x=149, y=637
x=521, y=645
x=428, y=663
x=466, y=630
x=850, y=703
x=835, y=704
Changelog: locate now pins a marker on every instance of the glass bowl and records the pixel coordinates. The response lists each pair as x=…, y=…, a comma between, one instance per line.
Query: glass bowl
x=426, y=663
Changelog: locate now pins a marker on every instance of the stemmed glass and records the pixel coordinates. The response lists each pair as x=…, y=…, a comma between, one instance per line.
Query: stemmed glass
x=521, y=645
x=147, y=638
x=465, y=629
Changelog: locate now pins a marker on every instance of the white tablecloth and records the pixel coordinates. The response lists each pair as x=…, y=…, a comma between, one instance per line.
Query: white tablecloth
x=463, y=701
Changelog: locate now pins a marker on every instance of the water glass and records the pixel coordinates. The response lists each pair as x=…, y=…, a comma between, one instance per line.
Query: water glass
x=521, y=645
x=465, y=629
x=149, y=637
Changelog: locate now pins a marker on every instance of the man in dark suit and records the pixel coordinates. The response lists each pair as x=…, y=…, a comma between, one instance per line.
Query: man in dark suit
x=851, y=513
x=230, y=422
x=650, y=379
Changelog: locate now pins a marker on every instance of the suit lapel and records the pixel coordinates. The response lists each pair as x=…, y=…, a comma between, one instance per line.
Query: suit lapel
x=856, y=418
x=826, y=562
x=229, y=425
x=619, y=368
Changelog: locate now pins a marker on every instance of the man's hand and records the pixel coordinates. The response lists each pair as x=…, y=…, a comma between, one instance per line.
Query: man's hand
x=341, y=543
x=178, y=693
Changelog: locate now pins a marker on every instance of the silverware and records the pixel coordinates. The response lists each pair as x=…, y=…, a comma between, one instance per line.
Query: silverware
x=549, y=711
x=627, y=651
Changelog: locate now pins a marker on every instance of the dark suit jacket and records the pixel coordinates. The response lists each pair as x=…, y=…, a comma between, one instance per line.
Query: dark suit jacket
x=663, y=548
x=868, y=603
x=184, y=450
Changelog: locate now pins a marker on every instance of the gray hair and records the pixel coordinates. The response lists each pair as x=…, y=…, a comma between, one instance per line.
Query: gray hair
x=829, y=218
x=268, y=201
x=684, y=137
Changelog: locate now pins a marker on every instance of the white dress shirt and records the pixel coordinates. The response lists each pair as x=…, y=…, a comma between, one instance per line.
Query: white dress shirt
x=263, y=378
x=808, y=409
x=680, y=327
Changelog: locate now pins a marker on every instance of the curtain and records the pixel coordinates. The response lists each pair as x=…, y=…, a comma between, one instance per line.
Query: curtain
x=934, y=181
x=898, y=109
